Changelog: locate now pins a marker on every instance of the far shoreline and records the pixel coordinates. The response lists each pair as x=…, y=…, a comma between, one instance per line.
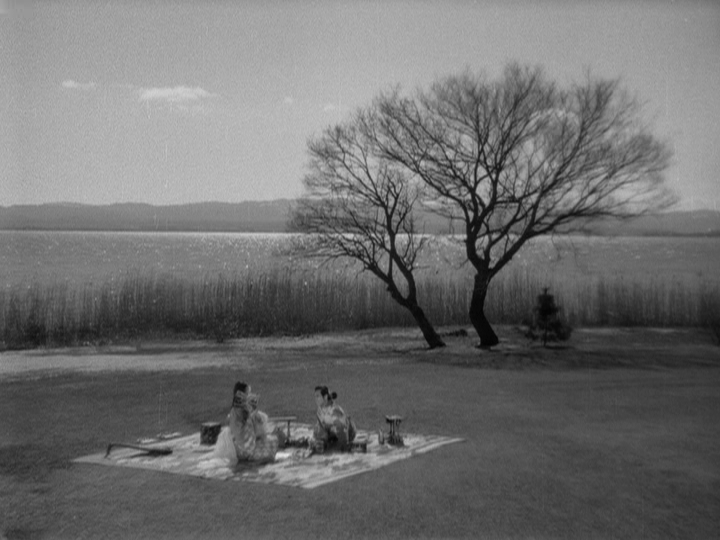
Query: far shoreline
x=590, y=234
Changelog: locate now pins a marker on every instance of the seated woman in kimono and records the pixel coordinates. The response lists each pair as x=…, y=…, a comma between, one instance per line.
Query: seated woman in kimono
x=334, y=428
x=250, y=433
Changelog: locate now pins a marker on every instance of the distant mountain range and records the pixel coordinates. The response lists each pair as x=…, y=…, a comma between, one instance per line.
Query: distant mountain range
x=265, y=216
x=272, y=216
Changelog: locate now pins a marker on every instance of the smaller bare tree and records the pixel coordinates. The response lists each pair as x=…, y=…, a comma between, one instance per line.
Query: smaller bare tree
x=360, y=207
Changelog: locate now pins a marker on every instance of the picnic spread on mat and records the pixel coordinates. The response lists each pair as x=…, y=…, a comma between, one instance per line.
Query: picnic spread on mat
x=274, y=450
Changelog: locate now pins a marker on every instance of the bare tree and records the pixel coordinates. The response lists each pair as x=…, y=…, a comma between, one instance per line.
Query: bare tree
x=361, y=207
x=519, y=157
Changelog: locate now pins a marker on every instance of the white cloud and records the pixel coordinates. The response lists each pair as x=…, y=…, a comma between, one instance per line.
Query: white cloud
x=334, y=107
x=288, y=100
x=177, y=95
x=73, y=85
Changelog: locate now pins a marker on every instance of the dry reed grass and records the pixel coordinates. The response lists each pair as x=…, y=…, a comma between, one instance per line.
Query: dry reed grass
x=140, y=305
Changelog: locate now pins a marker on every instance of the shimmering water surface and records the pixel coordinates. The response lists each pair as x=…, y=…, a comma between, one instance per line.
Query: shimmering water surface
x=91, y=257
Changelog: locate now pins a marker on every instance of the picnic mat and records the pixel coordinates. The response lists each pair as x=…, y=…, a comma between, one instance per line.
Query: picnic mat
x=291, y=466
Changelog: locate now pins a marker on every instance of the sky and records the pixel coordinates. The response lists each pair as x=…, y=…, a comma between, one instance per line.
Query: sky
x=172, y=101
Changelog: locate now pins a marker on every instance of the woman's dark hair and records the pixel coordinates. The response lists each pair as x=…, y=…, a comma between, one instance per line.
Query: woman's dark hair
x=325, y=392
x=240, y=386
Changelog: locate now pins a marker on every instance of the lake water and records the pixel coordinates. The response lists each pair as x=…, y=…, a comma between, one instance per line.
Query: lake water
x=93, y=257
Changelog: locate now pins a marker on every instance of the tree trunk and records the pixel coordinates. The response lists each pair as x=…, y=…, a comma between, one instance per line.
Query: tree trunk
x=410, y=303
x=429, y=333
x=488, y=338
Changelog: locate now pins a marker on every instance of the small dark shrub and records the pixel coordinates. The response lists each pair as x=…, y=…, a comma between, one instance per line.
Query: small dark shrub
x=546, y=323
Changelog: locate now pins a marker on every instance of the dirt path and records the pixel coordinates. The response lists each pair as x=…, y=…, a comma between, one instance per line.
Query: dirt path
x=183, y=355
x=589, y=347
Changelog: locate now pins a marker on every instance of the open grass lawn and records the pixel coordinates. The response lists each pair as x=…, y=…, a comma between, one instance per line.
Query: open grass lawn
x=617, y=435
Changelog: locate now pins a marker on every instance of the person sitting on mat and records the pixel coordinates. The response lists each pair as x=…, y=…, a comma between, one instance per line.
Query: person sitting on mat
x=250, y=432
x=334, y=428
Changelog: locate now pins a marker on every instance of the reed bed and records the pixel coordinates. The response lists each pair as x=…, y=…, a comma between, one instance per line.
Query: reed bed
x=136, y=305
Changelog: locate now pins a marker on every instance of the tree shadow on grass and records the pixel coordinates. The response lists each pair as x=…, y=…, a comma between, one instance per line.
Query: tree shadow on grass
x=31, y=461
x=22, y=534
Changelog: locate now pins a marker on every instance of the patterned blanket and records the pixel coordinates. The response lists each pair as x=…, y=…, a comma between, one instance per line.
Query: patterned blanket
x=292, y=466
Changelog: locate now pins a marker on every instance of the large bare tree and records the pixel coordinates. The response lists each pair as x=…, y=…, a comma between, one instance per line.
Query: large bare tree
x=520, y=156
x=361, y=207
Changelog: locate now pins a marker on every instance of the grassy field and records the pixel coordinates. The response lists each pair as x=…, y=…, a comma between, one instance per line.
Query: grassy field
x=615, y=435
